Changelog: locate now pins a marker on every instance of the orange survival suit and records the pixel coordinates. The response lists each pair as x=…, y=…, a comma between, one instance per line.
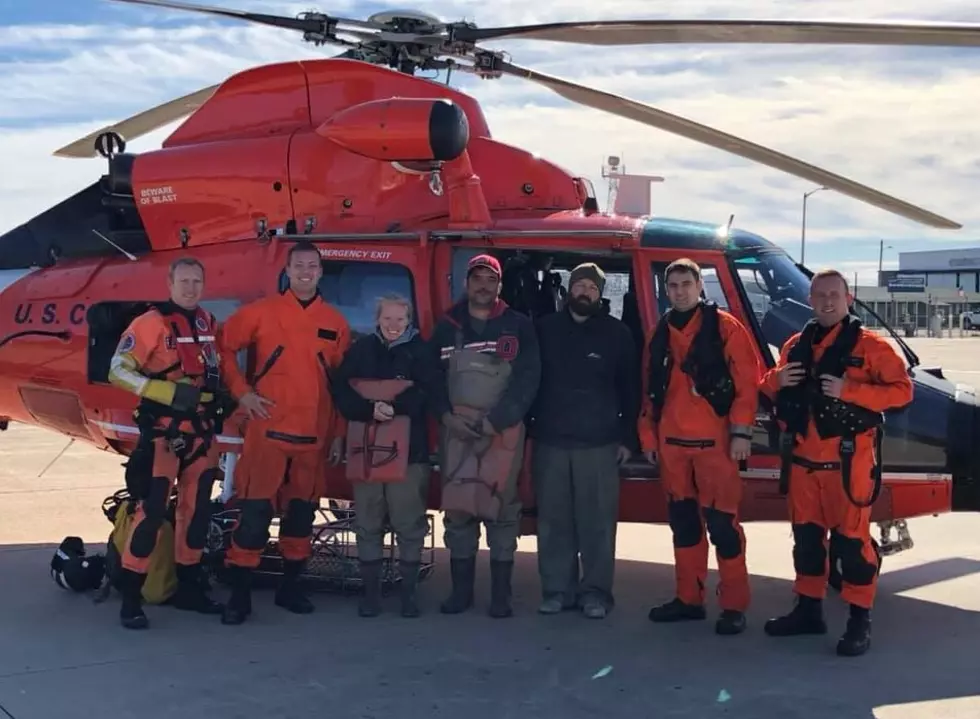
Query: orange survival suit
x=830, y=457
x=702, y=380
x=282, y=467
x=168, y=357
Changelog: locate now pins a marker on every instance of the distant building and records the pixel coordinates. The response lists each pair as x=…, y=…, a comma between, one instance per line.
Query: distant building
x=937, y=270
x=926, y=282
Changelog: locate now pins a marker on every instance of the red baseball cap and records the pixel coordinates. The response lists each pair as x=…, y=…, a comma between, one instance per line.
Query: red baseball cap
x=484, y=261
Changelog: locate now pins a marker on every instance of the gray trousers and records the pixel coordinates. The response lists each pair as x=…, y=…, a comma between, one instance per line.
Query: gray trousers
x=577, y=494
x=404, y=503
x=462, y=532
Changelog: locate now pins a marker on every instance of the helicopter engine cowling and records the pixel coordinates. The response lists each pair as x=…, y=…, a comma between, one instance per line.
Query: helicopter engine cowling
x=401, y=129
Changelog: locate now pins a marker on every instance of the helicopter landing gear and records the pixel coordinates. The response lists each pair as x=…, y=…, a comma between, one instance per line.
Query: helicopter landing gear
x=886, y=547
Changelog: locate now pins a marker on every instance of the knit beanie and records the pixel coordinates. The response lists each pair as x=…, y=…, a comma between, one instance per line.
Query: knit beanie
x=591, y=271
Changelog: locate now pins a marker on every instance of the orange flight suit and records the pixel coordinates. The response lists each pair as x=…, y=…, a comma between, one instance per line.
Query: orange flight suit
x=875, y=378
x=702, y=481
x=283, y=457
x=163, y=359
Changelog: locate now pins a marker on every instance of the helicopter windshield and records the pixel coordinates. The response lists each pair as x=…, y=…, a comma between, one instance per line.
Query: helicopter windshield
x=778, y=291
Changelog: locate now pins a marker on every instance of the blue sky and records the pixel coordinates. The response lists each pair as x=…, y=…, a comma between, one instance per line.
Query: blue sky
x=902, y=120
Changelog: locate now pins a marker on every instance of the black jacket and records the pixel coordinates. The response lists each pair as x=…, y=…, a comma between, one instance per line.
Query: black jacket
x=508, y=334
x=590, y=383
x=370, y=357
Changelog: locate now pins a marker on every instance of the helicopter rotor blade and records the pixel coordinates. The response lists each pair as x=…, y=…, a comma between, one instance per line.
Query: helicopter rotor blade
x=287, y=23
x=811, y=32
x=141, y=123
x=314, y=25
x=647, y=115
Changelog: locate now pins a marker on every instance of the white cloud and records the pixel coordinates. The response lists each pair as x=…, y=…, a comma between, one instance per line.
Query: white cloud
x=901, y=120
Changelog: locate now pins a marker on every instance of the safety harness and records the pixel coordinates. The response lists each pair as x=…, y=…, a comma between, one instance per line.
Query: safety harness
x=831, y=416
x=198, y=360
x=705, y=363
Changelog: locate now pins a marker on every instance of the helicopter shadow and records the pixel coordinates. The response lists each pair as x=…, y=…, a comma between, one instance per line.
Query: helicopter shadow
x=527, y=666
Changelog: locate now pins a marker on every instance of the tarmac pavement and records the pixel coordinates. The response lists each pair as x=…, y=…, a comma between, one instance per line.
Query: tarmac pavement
x=63, y=656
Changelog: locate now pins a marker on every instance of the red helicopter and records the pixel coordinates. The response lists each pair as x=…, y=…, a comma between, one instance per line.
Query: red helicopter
x=399, y=182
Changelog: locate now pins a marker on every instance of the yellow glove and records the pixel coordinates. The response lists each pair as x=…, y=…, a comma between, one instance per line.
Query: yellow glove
x=160, y=390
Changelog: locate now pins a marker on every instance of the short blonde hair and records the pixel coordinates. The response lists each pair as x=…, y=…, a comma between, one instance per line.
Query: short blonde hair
x=185, y=262
x=829, y=272
x=392, y=298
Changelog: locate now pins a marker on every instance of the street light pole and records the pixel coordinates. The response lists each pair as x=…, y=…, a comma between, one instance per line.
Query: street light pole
x=881, y=255
x=806, y=196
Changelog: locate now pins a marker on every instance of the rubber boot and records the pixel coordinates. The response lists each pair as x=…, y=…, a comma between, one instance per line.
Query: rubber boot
x=239, y=605
x=676, y=611
x=131, y=613
x=290, y=594
x=857, y=638
x=193, y=591
x=370, y=604
x=464, y=575
x=409, y=572
x=730, y=622
x=500, y=592
x=805, y=618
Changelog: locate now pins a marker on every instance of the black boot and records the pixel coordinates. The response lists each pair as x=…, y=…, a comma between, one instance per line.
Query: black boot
x=131, y=614
x=290, y=594
x=500, y=574
x=805, y=618
x=676, y=611
x=370, y=604
x=464, y=574
x=193, y=591
x=239, y=605
x=857, y=638
x=409, y=572
x=730, y=622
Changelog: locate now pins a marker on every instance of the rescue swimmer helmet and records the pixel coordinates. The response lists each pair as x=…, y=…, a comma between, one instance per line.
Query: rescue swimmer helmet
x=71, y=569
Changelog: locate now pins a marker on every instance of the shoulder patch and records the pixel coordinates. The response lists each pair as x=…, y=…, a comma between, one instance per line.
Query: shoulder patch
x=127, y=343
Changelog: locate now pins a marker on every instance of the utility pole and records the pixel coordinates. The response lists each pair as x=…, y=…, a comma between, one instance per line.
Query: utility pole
x=806, y=196
x=881, y=257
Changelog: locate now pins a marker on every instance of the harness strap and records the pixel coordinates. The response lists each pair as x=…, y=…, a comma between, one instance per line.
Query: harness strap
x=846, y=450
x=691, y=443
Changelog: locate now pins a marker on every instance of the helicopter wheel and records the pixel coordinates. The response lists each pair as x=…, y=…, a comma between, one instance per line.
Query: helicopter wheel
x=834, y=580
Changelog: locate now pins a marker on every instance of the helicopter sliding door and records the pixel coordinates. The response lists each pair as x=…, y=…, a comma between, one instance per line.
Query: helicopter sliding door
x=535, y=282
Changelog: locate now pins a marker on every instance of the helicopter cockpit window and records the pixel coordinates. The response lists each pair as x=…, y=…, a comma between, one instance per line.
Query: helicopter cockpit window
x=354, y=289
x=778, y=293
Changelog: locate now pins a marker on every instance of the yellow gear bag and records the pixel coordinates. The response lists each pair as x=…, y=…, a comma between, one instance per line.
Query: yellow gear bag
x=161, y=578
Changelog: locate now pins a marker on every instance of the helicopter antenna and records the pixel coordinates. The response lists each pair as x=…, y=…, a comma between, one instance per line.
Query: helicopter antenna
x=129, y=256
x=628, y=194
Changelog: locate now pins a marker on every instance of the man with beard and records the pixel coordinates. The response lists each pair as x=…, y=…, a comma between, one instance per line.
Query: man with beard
x=489, y=369
x=584, y=426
